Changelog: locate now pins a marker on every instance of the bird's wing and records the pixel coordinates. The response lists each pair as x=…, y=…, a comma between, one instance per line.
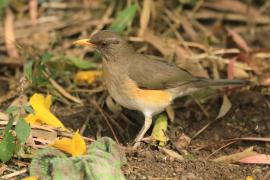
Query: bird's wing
x=155, y=74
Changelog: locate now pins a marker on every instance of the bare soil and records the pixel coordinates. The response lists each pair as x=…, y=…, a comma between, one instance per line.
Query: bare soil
x=248, y=117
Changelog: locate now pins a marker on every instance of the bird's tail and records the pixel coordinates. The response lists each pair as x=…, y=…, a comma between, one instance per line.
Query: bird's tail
x=198, y=84
x=220, y=82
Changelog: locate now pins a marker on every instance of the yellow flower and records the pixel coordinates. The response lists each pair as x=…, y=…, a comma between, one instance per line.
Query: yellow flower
x=31, y=178
x=87, y=76
x=75, y=146
x=41, y=106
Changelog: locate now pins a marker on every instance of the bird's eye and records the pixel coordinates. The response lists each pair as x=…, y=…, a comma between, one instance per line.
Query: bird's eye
x=103, y=43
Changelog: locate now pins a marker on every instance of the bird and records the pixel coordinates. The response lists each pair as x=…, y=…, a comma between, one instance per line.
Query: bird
x=140, y=83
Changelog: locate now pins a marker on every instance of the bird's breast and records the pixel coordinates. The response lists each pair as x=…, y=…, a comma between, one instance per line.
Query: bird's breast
x=126, y=92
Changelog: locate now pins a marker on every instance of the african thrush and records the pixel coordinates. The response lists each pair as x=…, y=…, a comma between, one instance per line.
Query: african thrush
x=140, y=83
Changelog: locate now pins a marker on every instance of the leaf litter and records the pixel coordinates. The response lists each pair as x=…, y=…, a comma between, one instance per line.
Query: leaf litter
x=199, y=43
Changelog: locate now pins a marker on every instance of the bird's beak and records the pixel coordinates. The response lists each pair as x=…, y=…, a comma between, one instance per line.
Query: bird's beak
x=84, y=42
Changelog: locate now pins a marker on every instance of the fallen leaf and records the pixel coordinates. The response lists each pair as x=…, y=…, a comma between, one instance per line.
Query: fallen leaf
x=33, y=10
x=256, y=159
x=239, y=73
x=3, y=116
x=113, y=106
x=225, y=107
x=89, y=77
x=182, y=142
x=170, y=112
x=10, y=38
x=233, y=6
x=75, y=146
x=173, y=154
x=230, y=67
x=236, y=157
x=239, y=40
x=145, y=16
x=41, y=106
x=159, y=130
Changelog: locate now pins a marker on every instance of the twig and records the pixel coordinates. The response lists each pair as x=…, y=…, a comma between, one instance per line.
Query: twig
x=222, y=147
x=14, y=174
x=106, y=119
x=86, y=122
x=204, y=128
x=62, y=91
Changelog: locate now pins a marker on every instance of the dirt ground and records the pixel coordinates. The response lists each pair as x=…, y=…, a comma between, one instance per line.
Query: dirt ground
x=213, y=39
x=248, y=117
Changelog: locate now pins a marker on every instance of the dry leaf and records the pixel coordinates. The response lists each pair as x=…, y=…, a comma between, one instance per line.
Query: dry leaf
x=233, y=6
x=170, y=112
x=225, y=107
x=3, y=116
x=230, y=67
x=114, y=107
x=182, y=142
x=33, y=10
x=239, y=40
x=10, y=38
x=145, y=16
x=172, y=154
x=256, y=159
x=239, y=73
x=236, y=157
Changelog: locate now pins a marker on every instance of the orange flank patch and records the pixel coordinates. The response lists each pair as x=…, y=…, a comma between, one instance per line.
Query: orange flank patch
x=157, y=97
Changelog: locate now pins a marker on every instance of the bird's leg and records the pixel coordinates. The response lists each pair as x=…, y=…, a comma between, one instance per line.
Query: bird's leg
x=146, y=126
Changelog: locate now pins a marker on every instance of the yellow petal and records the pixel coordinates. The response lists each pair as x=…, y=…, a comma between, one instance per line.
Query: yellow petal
x=31, y=118
x=48, y=101
x=159, y=130
x=42, y=113
x=78, y=145
x=63, y=144
x=87, y=76
x=31, y=178
x=75, y=146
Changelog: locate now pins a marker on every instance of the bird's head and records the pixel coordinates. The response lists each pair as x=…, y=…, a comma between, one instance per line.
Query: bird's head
x=108, y=43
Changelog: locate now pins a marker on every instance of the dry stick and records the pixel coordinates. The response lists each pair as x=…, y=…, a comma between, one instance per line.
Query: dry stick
x=222, y=147
x=86, y=122
x=201, y=106
x=14, y=174
x=106, y=119
x=105, y=17
x=204, y=128
x=62, y=91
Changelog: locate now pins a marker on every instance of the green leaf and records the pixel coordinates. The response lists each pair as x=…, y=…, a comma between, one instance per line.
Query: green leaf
x=11, y=109
x=29, y=109
x=9, y=124
x=124, y=19
x=45, y=58
x=80, y=63
x=7, y=147
x=28, y=70
x=159, y=130
x=3, y=3
x=22, y=130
